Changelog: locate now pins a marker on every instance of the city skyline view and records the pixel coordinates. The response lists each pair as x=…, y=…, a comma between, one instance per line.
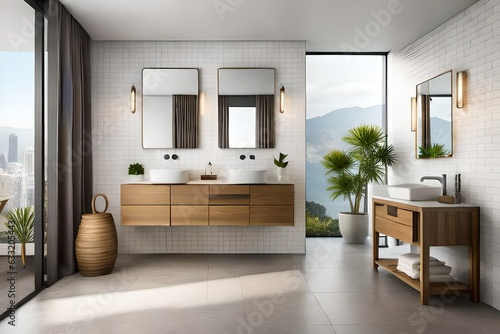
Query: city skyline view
x=16, y=128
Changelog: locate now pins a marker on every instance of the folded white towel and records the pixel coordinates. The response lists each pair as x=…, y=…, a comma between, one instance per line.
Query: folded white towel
x=410, y=273
x=415, y=274
x=412, y=259
x=417, y=265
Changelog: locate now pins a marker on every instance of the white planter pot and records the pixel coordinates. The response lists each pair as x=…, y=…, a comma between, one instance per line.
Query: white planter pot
x=354, y=228
x=135, y=178
x=281, y=174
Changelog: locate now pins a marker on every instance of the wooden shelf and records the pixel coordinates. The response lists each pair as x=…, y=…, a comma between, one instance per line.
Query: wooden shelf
x=434, y=288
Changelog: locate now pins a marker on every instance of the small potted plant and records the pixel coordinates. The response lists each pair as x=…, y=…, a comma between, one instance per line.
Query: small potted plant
x=281, y=164
x=135, y=172
x=21, y=221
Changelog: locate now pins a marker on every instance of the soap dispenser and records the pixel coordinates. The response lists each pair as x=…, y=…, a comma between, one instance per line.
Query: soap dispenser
x=209, y=175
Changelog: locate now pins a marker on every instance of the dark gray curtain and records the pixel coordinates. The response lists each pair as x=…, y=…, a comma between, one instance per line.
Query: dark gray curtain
x=265, y=121
x=426, y=121
x=185, y=120
x=223, y=121
x=74, y=146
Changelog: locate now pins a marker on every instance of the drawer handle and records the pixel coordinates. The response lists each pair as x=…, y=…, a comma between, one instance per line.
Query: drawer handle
x=392, y=211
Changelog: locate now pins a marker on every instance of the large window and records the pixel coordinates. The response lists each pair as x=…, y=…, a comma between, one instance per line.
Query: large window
x=20, y=111
x=343, y=91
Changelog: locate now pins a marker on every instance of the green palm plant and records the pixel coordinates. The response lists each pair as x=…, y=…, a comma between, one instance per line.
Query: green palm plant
x=364, y=162
x=22, y=226
x=434, y=151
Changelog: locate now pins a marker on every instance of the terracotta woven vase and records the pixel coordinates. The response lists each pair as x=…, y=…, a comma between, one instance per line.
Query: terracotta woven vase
x=96, y=243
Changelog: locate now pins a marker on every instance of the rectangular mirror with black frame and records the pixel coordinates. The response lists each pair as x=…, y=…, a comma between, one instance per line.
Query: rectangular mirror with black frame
x=246, y=107
x=170, y=108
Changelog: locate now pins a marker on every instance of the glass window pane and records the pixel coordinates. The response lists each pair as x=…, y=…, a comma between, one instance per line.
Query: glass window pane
x=17, y=119
x=343, y=91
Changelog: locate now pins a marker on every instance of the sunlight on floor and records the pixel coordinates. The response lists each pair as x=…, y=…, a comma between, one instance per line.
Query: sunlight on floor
x=174, y=297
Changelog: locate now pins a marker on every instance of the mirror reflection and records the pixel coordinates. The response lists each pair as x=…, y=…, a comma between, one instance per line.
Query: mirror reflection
x=246, y=107
x=170, y=108
x=434, y=135
x=242, y=118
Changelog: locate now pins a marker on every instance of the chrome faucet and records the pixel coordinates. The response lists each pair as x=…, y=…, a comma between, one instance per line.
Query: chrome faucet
x=441, y=179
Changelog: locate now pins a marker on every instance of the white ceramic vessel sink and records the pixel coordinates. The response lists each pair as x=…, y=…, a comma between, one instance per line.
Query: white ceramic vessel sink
x=243, y=176
x=168, y=176
x=414, y=192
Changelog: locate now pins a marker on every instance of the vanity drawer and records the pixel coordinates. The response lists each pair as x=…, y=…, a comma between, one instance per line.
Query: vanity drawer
x=272, y=194
x=138, y=194
x=229, y=215
x=271, y=215
x=189, y=194
x=399, y=231
x=145, y=215
x=229, y=195
x=396, y=214
x=189, y=215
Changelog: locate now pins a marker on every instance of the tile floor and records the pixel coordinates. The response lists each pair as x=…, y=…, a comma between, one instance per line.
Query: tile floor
x=332, y=289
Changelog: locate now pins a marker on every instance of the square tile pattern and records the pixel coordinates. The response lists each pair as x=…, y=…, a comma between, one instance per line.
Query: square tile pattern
x=332, y=289
x=467, y=42
x=117, y=137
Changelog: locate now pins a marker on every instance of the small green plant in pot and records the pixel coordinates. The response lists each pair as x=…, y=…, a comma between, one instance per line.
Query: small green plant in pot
x=21, y=221
x=281, y=164
x=353, y=169
x=136, y=172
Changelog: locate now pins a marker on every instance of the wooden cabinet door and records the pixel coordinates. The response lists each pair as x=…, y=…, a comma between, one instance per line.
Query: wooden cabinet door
x=145, y=205
x=189, y=204
x=190, y=194
x=144, y=194
x=148, y=215
x=266, y=215
x=229, y=215
x=272, y=205
x=194, y=215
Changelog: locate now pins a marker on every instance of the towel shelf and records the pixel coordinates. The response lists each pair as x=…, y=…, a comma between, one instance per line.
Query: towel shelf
x=424, y=226
x=434, y=288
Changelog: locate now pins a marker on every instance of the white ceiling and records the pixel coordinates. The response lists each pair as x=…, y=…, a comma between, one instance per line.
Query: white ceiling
x=325, y=25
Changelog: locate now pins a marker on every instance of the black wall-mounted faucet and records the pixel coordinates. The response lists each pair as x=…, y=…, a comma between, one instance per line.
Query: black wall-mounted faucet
x=242, y=157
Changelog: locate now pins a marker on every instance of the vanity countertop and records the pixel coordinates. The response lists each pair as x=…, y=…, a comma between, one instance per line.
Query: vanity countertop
x=209, y=182
x=424, y=204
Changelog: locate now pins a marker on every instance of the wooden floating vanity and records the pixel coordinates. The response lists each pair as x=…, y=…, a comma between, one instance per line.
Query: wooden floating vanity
x=426, y=224
x=207, y=205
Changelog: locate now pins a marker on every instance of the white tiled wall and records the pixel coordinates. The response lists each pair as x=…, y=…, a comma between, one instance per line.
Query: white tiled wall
x=117, y=137
x=468, y=42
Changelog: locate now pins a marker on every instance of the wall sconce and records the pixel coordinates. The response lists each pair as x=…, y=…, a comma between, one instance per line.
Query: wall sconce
x=460, y=89
x=413, y=114
x=282, y=99
x=132, y=99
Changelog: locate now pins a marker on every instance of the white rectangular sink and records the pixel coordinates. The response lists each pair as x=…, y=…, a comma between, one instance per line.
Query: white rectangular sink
x=414, y=192
x=243, y=176
x=168, y=176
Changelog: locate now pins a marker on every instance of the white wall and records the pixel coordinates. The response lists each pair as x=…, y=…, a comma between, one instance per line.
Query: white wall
x=117, y=137
x=471, y=42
